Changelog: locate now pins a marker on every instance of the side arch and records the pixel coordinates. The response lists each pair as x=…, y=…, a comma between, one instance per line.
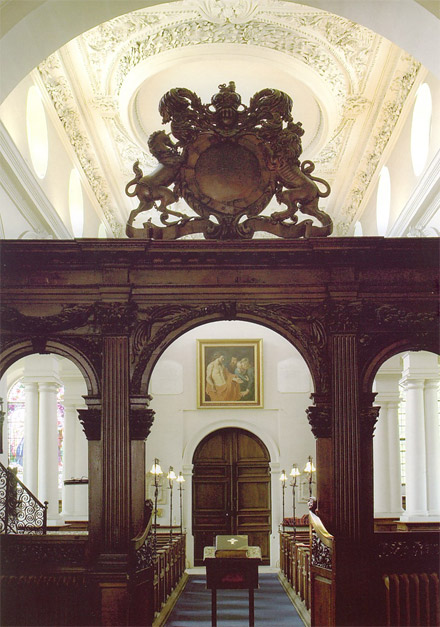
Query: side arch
x=425, y=343
x=16, y=350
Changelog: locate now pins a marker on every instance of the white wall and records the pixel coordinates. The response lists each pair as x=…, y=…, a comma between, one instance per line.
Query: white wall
x=282, y=423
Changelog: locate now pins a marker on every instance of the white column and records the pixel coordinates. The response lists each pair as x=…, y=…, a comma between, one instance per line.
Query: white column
x=416, y=496
x=386, y=442
x=48, y=449
x=432, y=447
x=30, y=453
x=381, y=447
x=4, y=457
x=395, y=478
x=70, y=416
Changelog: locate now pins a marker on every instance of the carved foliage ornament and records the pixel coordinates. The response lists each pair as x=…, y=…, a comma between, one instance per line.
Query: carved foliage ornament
x=228, y=162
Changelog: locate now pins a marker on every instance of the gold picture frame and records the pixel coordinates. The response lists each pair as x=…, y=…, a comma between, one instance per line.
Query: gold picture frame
x=229, y=373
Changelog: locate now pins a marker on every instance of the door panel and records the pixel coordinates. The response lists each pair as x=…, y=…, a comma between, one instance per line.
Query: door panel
x=231, y=490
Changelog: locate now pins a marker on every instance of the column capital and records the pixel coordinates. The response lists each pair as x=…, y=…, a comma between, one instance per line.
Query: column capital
x=319, y=417
x=141, y=421
x=431, y=384
x=91, y=422
x=411, y=383
x=48, y=386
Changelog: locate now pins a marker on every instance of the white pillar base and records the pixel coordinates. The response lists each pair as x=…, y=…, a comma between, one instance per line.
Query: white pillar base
x=388, y=514
x=419, y=518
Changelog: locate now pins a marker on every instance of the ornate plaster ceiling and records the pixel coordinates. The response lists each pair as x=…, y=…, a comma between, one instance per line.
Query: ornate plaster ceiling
x=349, y=88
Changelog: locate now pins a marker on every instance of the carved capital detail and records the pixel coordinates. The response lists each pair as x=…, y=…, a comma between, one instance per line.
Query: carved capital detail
x=115, y=318
x=141, y=421
x=91, y=422
x=343, y=317
x=319, y=417
x=368, y=414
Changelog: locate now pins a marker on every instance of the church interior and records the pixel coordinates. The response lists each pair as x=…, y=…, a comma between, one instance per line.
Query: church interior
x=166, y=379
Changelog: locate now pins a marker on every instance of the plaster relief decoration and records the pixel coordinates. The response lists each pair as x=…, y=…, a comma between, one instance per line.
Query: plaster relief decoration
x=105, y=85
x=229, y=373
x=228, y=162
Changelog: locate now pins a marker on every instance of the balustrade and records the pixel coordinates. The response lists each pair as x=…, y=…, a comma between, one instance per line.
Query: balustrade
x=20, y=511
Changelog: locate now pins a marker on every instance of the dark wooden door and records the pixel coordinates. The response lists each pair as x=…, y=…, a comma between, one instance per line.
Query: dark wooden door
x=231, y=490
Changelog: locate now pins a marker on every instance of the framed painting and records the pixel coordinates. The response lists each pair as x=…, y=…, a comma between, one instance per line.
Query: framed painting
x=229, y=373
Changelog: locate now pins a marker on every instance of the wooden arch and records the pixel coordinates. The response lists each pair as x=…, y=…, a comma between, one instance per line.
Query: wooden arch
x=25, y=347
x=185, y=320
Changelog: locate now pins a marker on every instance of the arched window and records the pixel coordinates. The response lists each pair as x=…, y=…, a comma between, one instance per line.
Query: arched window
x=383, y=202
x=36, y=127
x=76, y=204
x=421, y=128
x=15, y=413
x=358, y=231
x=102, y=231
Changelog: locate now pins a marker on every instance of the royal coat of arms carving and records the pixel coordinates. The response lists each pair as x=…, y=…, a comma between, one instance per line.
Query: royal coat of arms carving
x=227, y=161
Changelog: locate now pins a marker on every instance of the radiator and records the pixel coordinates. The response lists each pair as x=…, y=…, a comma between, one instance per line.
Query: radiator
x=412, y=599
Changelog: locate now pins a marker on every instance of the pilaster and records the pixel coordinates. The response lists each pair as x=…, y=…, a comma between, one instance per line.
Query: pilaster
x=116, y=459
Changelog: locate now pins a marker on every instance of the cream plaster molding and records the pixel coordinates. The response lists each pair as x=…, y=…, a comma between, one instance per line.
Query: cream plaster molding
x=331, y=49
x=59, y=90
x=397, y=94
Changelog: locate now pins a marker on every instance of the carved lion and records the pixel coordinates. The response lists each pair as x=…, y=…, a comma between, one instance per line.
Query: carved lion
x=153, y=187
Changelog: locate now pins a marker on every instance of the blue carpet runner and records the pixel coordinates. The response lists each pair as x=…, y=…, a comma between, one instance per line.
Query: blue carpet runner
x=273, y=607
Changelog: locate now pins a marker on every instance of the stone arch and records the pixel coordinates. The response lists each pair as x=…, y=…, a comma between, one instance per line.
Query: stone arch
x=23, y=348
x=311, y=348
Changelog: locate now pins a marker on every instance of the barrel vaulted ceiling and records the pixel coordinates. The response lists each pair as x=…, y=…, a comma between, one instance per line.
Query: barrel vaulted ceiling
x=350, y=88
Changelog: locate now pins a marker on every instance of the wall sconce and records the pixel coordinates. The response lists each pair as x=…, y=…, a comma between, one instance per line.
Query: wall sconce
x=181, y=480
x=294, y=473
x=283, y=480
x=310, y=469
x=171, y=476
x=156, y=471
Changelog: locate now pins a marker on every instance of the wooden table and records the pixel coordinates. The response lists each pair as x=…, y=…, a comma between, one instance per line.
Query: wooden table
x=231, y=573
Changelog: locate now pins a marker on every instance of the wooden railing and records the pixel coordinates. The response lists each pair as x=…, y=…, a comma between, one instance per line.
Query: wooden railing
x=157, y=563
x=20, y=510
x=322, y=574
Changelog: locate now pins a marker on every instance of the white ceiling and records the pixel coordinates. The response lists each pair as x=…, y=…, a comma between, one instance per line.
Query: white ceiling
x=349, y=85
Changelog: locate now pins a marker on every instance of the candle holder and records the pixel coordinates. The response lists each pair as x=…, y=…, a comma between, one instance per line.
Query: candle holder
x=310, y=469
x=294, y=473
x=171, y=476
x=283, y=480
x=181, y=480
x=156, y=471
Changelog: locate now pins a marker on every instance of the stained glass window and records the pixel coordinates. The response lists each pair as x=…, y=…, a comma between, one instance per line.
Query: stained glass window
x=16, y=404
x=16, y=437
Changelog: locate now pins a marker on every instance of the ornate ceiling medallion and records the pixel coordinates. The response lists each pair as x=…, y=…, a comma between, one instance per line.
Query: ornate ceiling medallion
x=228, y=162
